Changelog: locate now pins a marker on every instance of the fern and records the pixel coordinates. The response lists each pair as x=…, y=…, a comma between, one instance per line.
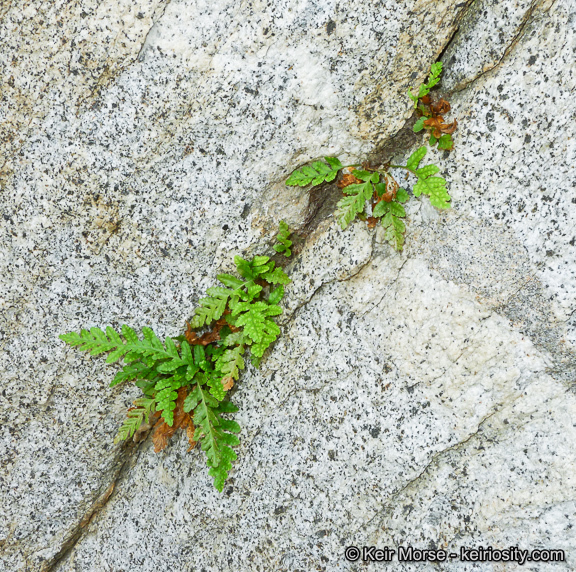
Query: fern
x=166, y=396
x=316, y=173
x=231, y=362
x=275, y=276
x=433, y=79
x=360, y=187
x=135, y=418
x=132, y=371
x=181, y=379
x=188, y=385
x=283, y=237
x=228, y=440
x=132, y=349
x=354, y=203
x=391, y=214
x=215, y=434
x=211, y=308
x=432, y=114
x=428, y=183
x=445, y=142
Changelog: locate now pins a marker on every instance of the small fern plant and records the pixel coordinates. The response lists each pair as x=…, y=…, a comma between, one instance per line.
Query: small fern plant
x=284, y=242
x=424, y=89
x=373, y=194
x=431, y=114
x=378, y=190
x=185, y=380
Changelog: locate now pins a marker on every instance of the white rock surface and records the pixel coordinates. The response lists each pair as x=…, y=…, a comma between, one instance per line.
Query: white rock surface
x=419, y=398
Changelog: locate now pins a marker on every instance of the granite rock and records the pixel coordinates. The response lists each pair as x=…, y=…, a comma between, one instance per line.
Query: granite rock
x=422, y=397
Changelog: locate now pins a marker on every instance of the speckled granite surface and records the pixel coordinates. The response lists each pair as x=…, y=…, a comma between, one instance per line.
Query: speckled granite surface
x=418, y=398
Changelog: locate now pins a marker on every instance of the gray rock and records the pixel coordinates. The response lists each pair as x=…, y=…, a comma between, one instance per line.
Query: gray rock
x=417, y=398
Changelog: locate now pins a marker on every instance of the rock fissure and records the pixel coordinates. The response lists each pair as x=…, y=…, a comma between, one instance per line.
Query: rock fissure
x=76, y=534
x=436, y=457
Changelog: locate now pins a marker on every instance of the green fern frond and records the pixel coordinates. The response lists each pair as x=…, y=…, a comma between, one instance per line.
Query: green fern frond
x=162, y=368
x=433, y=79
x=435, y=188
x=415, y=158
x=445, y=142
x=354, y=203
x=166, y=396
x=206, y=422
x=215, y=433
x=134, y=370
x=135, y=417
x=214, y=381
x=394, y=229
x=276, y=294
x=220, y=472
x=211, y=308
x=283, y=237
x=231, y=362
x=276, y=276
x=96, y=342
x=316, y=173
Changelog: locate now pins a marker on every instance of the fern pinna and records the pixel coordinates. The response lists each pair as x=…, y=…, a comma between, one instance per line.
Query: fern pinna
x=185, y=380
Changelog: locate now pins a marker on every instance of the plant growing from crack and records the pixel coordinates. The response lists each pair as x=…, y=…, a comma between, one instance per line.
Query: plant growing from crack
x=185, y=380
x=373, y=194
x=432, y=114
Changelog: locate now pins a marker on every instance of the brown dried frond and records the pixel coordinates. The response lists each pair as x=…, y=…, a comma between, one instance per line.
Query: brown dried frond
x=438, y=126
x=163, y=432
x=371, y=221
x=190, y=434
x=348, y=179
x=213, y=335
x=189, y=426
x=440, y=108
x=193, y=339
x=227, y=383
x=391, y=190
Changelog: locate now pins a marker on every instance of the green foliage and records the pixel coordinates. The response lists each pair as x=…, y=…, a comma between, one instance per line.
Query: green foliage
x=354, y=203
x=211, y=308
x=283, y=237
x=185, y=380
x=428, y=183
x=432, y=114
x=391, y=214
x=135, y=418
x=387, y=198
x=433, y=79
x=445, y=142
x=419, y=125
x=215, y=433
x=231, y=362
x=415, y=159
x=316, y=173
x=164, y=369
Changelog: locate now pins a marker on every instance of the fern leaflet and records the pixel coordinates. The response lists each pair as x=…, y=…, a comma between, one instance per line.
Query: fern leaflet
x=135, y=417
x=354, y=203
x=433, y=79
x=283, y=238
x=316, y=173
